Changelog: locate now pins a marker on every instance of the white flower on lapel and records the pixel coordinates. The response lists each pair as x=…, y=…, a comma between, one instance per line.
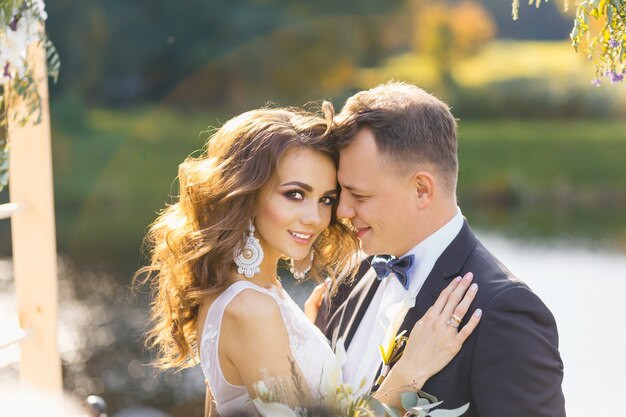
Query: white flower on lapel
x=394, y=315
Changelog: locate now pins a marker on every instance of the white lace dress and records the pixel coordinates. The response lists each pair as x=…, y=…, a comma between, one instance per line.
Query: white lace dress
x=309, y=348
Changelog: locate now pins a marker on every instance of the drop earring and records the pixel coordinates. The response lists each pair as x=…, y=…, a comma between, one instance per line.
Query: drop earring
x=249, y=257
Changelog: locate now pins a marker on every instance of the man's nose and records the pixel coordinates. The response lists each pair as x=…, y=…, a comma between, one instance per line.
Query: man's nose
x=344, y=208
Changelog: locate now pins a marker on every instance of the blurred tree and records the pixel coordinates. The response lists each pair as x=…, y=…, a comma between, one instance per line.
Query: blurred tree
x=313, y=60
x=124, y=52
x=450, y=32
x=121, y=52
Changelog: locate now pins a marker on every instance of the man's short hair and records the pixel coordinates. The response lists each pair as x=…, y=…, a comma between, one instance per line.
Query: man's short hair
x=410, y=126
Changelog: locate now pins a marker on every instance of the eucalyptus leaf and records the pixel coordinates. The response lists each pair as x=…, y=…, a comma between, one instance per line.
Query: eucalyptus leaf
x=450, y=413
x=422, y=401
x=427, y=407
x=409, y=399
x=423, y=394
x=375, y=405
x=390, y=410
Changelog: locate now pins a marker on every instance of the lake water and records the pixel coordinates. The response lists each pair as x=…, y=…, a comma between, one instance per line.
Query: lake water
x=585, y=290
x=582, y=286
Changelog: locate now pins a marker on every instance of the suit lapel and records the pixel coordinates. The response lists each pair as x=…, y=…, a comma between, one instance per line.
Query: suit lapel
x=356, y=306
x=342, y=323
x=449, y=265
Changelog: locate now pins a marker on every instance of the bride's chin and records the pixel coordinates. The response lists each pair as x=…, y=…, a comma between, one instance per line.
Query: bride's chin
x=295, y=256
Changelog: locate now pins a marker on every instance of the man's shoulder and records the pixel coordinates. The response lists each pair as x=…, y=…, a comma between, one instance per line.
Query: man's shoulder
x=489, y=270
x=497, y=284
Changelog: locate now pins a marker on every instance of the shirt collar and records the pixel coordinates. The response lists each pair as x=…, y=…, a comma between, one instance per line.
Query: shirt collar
x=430, y=249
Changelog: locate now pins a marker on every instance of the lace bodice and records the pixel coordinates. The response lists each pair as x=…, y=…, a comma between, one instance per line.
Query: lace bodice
x=309, y=348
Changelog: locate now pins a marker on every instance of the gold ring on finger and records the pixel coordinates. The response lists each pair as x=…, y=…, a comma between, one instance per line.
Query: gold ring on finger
x=452, y=323
x=456, y=318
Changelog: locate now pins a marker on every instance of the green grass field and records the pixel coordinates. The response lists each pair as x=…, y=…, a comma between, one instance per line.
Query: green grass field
x=544, y=154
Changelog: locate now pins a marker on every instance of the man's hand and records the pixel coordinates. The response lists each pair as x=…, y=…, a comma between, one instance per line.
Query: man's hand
x=313, y=303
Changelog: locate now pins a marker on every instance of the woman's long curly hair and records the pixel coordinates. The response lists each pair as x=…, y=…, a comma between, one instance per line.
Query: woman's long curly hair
x=191, y=242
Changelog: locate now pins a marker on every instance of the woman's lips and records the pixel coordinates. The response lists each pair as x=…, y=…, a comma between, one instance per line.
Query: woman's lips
x=301, y=237
x=360, y=231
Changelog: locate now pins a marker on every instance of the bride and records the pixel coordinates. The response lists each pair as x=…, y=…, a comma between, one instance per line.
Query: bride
x=265, y=189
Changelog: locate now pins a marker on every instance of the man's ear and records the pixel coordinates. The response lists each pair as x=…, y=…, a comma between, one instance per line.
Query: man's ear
x=425, y=186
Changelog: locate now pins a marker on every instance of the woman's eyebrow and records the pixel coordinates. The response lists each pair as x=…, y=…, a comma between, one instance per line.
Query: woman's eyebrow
x=302, y=185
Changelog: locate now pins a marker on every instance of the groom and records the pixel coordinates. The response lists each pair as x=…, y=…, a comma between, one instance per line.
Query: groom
x=398, y=174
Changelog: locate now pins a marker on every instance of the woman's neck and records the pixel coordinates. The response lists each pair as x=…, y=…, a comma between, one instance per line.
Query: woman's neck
x=269, y=272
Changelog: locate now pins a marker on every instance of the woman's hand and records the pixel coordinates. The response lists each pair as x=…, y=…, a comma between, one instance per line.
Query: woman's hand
x=313, y=303
x=435, y=339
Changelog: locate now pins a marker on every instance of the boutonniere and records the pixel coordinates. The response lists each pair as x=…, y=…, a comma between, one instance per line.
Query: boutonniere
x=391, y=354
x=393, y=344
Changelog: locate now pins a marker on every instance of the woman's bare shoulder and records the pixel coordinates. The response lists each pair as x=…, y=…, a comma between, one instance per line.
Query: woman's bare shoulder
x=251, y=307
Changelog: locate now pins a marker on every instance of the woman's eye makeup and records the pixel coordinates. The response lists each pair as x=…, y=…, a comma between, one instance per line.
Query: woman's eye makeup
x=299, y=195
x=294, y=194
x=328, y=200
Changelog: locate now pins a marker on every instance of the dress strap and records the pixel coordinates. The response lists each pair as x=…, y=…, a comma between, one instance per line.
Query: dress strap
x=216, y=311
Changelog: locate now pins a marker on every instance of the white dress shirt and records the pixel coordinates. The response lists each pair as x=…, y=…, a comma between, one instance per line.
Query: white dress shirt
x=385, y=310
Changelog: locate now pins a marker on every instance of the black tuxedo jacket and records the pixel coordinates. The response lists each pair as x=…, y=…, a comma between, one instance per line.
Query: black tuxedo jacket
x=510, y=366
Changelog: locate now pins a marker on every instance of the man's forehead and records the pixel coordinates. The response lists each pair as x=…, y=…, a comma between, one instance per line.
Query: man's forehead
x=343, y=177
x=351, y=182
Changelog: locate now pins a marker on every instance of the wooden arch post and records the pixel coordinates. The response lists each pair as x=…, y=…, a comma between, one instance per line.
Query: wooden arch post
x=33, y=238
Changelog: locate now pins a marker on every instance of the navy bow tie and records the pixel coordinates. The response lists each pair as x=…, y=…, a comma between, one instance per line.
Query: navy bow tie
x=384, y=264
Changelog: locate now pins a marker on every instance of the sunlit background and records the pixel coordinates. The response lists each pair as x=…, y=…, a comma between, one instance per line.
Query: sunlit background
x=542, y=174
